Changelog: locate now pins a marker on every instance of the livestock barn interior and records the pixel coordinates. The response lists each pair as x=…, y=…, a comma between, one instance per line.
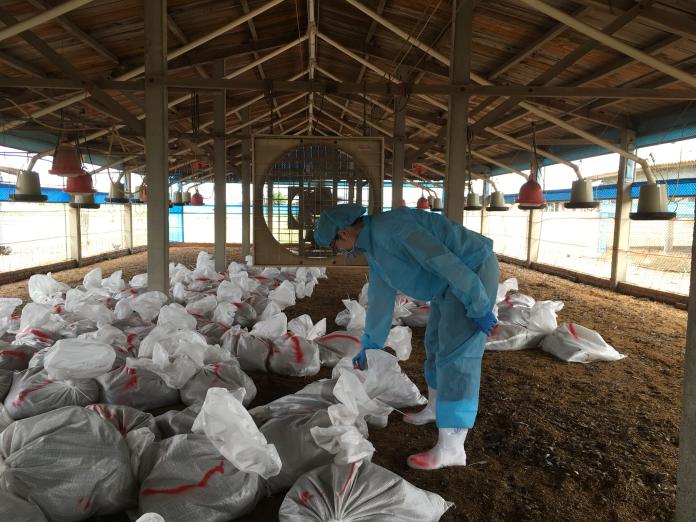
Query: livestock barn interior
x=176, y=344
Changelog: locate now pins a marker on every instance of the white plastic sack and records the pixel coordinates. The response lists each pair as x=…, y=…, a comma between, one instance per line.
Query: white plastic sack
x=284, y=295
x=148, y=305
x=138, y=281
x=271, y=328
x=7, y=307
x=505, y=287
x=337, y=345
x=384, y=380
x=201, y=307
x=399, y=340
x=302, y=326
x=226, y=375
x=135, y=387
x=43, y=289
x=176, y=315
x=230, y=292
x=228, y=425
x=70, y=463
x=114, y=283
x=572, y=342
x=359, y=491
x=293, y=355
x=78, y=359
x=353, y=317
x=224, y=314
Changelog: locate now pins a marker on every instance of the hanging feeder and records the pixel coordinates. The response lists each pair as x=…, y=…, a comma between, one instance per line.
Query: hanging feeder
x=79, y=185
x=422, y=202
x=28, y=188
x=473, y=201
x=186, y=197
x=436, y=205
x=66, y=161
x=497, y=202
x=531, y=195
x=653, y=204
x=116, y=193
x=196, y=199
x=178, y=198
x=581, y=195
x=140, y=194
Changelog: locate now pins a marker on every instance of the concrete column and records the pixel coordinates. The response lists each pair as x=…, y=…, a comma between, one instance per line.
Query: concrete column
x=686, y=477
x=128, y=217
x=398, y=151
x=246, y=188
x=460, y=62
x=622, y=222
x=75, y=242
x=156, y=138
x=534, y=235
x=220, y=171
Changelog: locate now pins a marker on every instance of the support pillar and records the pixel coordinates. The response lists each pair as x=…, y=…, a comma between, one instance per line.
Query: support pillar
x=128, y=217
x=457, y=121
x=622, y=223
x=219, y=166
x=246, y=188
x=534, y=235
x=156, y=144
x=398, y=151
x=75, y=242
x=686, y=477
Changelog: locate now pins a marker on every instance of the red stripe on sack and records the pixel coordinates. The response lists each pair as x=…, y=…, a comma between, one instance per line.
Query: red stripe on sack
x=571, y=329
x=507, y=299
x=84, y=503
x=58, y=309
x=299, y=356
x=39, y=333
x=23, y=394
x=132, y=291
x=305, y=497
x=220, y=468
x=130, y=339
x=216, y=372
x=261, y=278
x=350, y=477
x=339, y=336
x=203, y=279
x=133, y=381
x=14, y=353
x=494, y=331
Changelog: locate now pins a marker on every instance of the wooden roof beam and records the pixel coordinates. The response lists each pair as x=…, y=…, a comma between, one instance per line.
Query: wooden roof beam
x=497, y=116
x=16, y=27
x=140, y=69
x=78, y=33
x=658, y=17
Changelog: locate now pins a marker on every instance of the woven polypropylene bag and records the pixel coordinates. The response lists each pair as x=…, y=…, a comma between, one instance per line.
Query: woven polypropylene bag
x=359, y=491
x=69, y=462
x=190, y=481
x=226, y=374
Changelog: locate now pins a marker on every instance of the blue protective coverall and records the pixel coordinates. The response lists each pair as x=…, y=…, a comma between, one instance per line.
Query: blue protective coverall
x=431, y=258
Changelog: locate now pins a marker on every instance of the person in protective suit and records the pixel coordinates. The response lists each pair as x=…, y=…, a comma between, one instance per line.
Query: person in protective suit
x=431, y=258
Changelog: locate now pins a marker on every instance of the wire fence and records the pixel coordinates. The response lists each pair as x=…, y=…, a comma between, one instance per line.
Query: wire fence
x=33, y=234
x=658, y=256
x=508, y=230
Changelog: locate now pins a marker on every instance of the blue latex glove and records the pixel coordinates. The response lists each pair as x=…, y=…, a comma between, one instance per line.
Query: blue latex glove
x=360, y=360
x=486, y=323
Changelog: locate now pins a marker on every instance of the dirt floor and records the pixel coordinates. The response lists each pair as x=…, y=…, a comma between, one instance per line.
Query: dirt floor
x=553, y=441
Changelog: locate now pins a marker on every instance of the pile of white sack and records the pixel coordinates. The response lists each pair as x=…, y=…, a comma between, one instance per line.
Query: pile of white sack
x=523, y=323
x=119, y=399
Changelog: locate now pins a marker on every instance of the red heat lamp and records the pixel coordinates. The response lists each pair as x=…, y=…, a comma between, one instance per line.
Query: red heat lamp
x=66, y=161
x=531, y=196
x=422, y=203
x=196, y=199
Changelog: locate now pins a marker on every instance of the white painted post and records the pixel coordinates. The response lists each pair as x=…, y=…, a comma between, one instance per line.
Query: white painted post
x=75, y=235
x=246, y=188
x=220, y=169
x=622, y=223
x=156, y=143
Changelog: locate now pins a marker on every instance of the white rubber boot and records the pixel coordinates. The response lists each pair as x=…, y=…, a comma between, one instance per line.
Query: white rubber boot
x=449, y=451
x=427, y=414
